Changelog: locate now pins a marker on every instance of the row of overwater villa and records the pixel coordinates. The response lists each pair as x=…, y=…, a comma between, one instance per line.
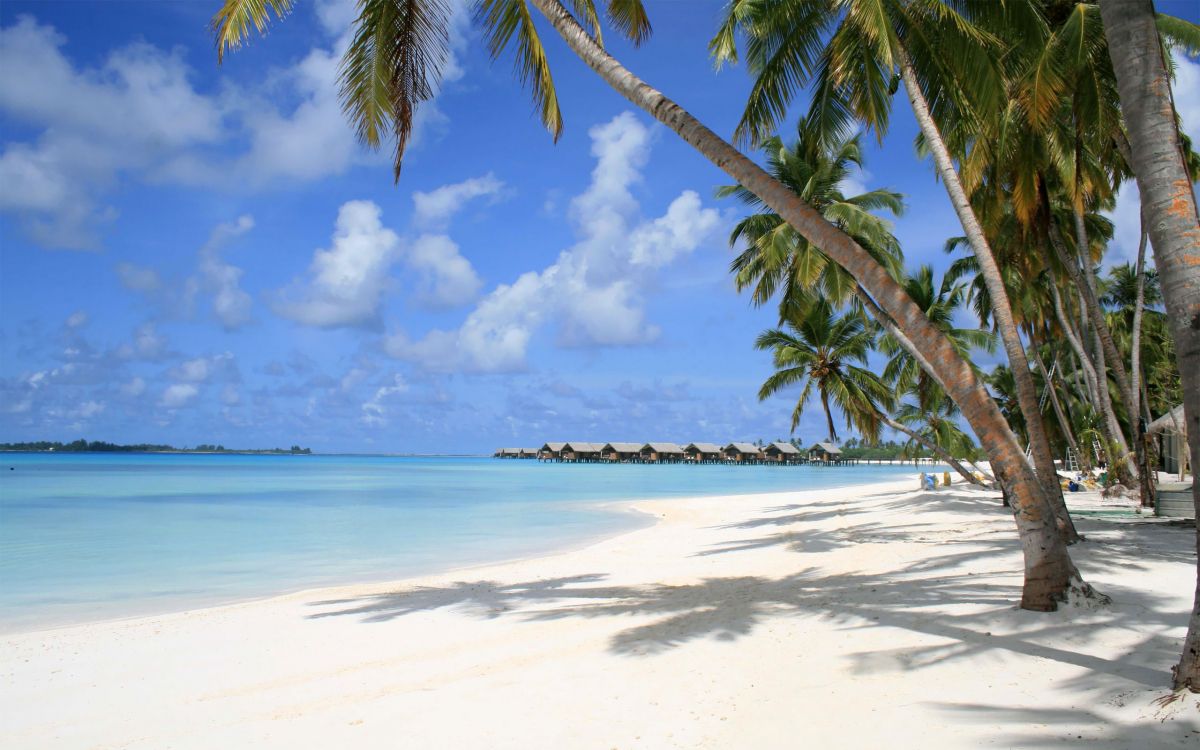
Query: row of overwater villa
x=823, y=454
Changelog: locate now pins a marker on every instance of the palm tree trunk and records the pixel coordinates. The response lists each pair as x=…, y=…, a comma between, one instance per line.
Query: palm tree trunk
x=1095, y=314
x=933, y=448
x=1169, y=205
x=1063, y=423
x=1104, y=361
x=1049, y=572
x=1002, y=314
x=828, y=416
x=1135, y=374
x=880, y=317
x=1101, y=398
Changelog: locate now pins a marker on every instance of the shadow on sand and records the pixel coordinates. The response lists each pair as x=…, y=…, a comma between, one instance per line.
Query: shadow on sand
x=961, y=568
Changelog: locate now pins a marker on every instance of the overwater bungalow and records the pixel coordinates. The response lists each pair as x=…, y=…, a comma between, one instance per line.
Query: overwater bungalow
x=622, y=452
x=702, y=453
x=579, y=451
x=782, y=453
x=662, y=453
x=742, y=453
x=825, y=453
x=551, y=452
x=516, y=453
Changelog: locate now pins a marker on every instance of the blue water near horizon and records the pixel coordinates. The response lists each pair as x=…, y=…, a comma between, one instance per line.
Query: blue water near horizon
x=86, y=537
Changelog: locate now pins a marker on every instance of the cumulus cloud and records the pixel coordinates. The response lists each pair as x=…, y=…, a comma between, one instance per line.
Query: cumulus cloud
x=447, y=279
x=137, y=114
x=129, y=113
x=230, y=304
x=592, y=292
x=346, y=283
x=177, y=395
x=214, y=278
x=436, y=207
x=77, y=319
x=133, y=388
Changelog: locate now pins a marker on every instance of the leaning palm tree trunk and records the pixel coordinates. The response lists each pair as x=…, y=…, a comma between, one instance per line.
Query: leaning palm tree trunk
x=1049, y=572
x=1135, y=374
x=1169, y=205
x=1002, y=314
x=1063, y=423
x=1104, y=360
x=932, y=447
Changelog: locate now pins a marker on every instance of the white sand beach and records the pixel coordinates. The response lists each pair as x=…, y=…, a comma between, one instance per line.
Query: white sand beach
x=868, y=617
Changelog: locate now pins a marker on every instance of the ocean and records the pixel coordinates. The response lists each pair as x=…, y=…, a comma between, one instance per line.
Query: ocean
x=85, y=537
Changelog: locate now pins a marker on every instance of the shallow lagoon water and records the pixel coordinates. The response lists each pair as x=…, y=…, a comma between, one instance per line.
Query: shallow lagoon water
x=94, y=536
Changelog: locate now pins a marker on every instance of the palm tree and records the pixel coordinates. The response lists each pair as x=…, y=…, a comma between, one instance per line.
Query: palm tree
x=939, y=301
x=776, y=257
x=947, y=64
x=1169, y=205
x=380, y=100
x=934, y=417
x=818, y=350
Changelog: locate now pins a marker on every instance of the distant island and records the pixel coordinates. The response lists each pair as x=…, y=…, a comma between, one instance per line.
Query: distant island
x=99, y=446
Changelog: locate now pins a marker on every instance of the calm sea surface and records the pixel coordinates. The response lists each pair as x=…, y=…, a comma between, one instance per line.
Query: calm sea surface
x=93, y=536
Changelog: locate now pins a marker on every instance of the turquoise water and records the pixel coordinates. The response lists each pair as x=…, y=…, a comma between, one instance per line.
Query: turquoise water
x=93, y=536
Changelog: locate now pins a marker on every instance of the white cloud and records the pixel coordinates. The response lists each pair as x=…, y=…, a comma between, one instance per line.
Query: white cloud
x=139, y=278
x=136, y=114
x=374, y=411
x=347, y=282
x=178, y=394
x=592, y=291
x=437, y=206
x=147, y=344
x=447, y=278
x=134, y=387
x=136, y=108
x=677, y=232
x=202, y=369
x=77, y=319
x=231, y=305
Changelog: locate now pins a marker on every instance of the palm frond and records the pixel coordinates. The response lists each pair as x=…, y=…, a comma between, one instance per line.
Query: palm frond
x=392, y=65
x=629, y=17
x=501, y=21
x=231, y=25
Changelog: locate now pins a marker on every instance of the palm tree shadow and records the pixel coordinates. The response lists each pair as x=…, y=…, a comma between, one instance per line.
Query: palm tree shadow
x=957, y=570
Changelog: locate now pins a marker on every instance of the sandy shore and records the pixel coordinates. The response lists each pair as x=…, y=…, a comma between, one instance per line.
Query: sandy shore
x=866, y=617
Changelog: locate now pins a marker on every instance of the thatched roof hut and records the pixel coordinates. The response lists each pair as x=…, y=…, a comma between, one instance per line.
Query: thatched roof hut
x=824, y=451
x=662, y=452
x=1171, y=423
x=701, y=452
x=782, y=452
x=741, y=452
x=578, y=450
x=621, y=451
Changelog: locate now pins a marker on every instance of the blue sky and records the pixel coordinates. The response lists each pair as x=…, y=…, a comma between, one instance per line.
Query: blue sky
x=192, y=253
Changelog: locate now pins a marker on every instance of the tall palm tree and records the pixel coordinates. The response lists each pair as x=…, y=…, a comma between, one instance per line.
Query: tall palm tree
x=939, y=301
x=1049, y=572
x=946, y=62
x=779, y=260
x=817, y=349
x=1169, y=205
x=934, y=417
